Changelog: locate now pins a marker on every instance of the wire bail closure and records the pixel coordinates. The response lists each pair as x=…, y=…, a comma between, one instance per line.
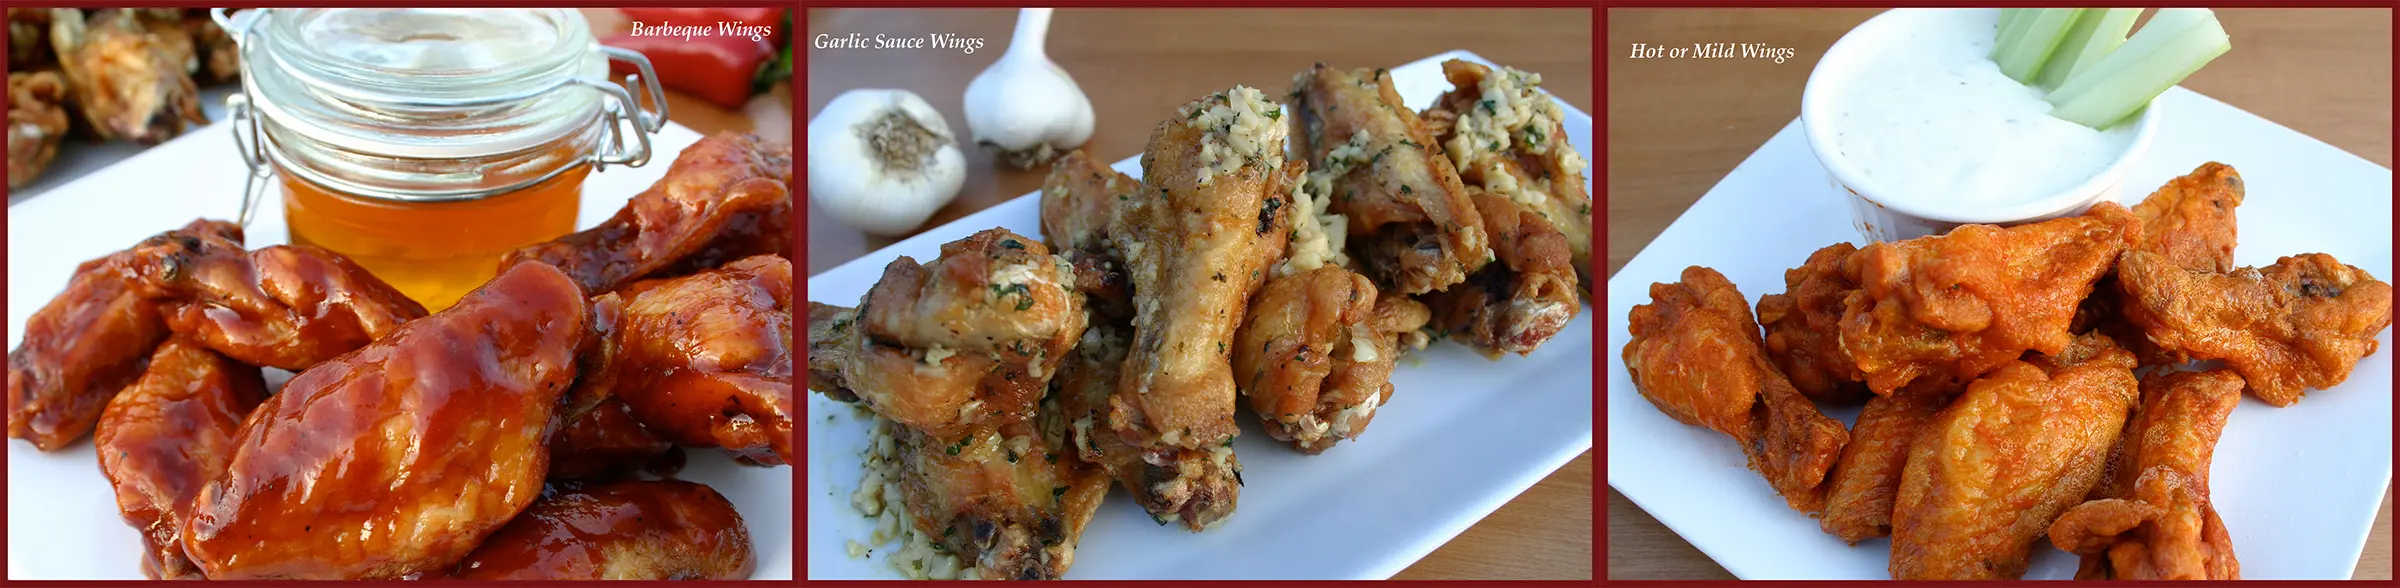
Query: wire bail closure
x=619, y=109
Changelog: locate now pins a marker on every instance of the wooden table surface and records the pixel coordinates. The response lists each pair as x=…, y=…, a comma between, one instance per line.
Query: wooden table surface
x=1137, y=66
x=1677, y=126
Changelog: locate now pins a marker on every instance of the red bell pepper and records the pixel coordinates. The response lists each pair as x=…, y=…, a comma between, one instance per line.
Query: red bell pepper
x=716, y=69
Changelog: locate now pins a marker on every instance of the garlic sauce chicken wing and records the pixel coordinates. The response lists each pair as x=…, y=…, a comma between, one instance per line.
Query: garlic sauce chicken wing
x=1508, y=138
x=1381, y=170
x=397, y=460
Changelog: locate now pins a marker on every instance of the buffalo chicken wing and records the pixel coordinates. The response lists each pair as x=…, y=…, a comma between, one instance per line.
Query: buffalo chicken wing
x=2152, y=519
x=2298, y=324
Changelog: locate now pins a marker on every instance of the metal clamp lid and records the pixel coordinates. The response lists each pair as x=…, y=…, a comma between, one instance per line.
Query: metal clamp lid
x=620, y=106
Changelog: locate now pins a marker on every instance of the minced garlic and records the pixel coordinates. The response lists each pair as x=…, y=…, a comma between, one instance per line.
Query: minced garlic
x=1512, y=109
x=1240, y=128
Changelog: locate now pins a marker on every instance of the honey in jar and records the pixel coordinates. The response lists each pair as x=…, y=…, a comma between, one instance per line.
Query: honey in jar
x=424, y=144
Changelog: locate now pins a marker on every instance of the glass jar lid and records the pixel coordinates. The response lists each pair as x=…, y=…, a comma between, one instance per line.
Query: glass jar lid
x=353, y=87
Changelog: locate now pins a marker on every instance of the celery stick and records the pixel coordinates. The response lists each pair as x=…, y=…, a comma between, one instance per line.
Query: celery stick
x=2094, y=36
x=2155, y=59
x=2028, y=42
x=2009, y=16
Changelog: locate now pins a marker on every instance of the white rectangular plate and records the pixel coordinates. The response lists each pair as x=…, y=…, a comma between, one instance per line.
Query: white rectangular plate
x=2298, y=486
x=62, y=515
x=1461, y=436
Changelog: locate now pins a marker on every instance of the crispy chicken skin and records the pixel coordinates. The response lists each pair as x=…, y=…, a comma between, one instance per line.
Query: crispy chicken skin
x=127, y=82
x=1987, y=476
x=1696, y=355
x=2298, y=324
x=165, y=435
x=1409, y=217
x=2151, y=518
x=1078, y=198
x=1958, y=305
x=628, y=530
x=725, y=198
x=37, y=122
x=79, y=350
x=287, y=306
x=432, y=438
x=1195, y=252
x=1859, y=492
x=1804, y=334
x=1503, y=148
x=1188, y=485
x=970, y=338
x=1011, y=500
x=1519, y=301
x=1315, y=358
x=704, y=360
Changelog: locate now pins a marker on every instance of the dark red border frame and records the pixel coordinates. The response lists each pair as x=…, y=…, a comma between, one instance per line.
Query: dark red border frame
x=797, y=470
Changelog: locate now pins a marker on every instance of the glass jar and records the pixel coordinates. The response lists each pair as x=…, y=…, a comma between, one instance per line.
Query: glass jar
x=424, y=143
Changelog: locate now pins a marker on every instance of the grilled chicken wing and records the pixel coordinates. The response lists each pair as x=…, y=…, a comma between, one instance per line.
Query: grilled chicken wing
x=165, y=435
x=2300, y=323
x=2151, y=518
x=1315, y=358
x=1383, y=172
x=398, y=459
x=83, y=346
x=1514, y=304
x=630, y=530
x=704, y=360
x=1958, y=305
x=1508, y=138
x=1696, y=355
x=1987, y=476
x=128, y=83
x=725, y=198
x=37, y=122
x=286, y=306
x=971, y=338
x=1195, y=251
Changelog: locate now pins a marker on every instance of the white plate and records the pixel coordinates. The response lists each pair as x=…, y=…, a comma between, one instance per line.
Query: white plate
x=1461, y=436
x=2298, y=486
x=62, y=515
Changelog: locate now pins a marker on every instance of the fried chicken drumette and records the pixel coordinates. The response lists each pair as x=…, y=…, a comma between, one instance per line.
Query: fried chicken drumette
x=2151, y=519
x=2300, y=323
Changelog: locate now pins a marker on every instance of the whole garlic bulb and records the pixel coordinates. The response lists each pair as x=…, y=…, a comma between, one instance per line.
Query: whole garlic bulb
x=1024, y=105
x=882, y=161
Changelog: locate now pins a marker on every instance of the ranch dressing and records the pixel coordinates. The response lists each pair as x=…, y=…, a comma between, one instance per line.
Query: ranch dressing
x=1937, y=120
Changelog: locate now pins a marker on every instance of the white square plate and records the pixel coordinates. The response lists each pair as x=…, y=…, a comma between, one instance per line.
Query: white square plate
x=2297, y=486
x=1461, y=436
x=62, y=515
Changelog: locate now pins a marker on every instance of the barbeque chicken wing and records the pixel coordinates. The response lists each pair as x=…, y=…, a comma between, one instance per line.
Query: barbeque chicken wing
x=629, y=530
x=287, y=306
x=1696, y=355
x=399, y=459
x=972, y=337
x=1195, y=252
x=1987, y=476
x=607, y=441
x=1514, y=304
x=1315, y=357
x=127, y=81
x=1507, y=137
x=1958, y=305
x=1804, y=328
x=725, y=198
x=2151, y=519
x=704, y=360
x=2300, y=323
x=1859, y=492
x=165, y=435
x=37, y=122
x=83, y=346
x=1407, y=215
